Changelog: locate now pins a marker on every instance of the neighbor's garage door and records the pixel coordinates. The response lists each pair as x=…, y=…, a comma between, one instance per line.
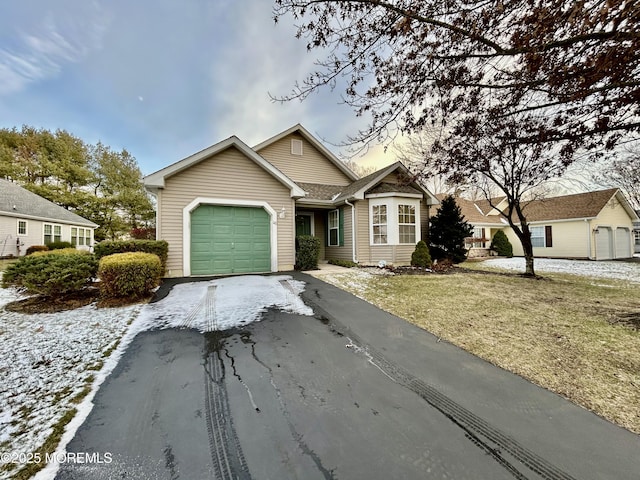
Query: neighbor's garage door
x=604, y=243
x=230, y=240
x=623, y=243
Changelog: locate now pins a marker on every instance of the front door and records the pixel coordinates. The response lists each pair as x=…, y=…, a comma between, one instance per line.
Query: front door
x=303, y=225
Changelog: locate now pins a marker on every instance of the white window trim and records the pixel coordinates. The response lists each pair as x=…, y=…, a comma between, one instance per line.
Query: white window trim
x=373, y=235
x=337, y=228
x=53, y=232
x=414, y=224
x=26, y=228
x=393, y=230
x=544, y=236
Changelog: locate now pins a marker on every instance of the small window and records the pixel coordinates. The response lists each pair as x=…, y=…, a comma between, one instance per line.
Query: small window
x=334, y=228
x=407, y=223
x=637, y=235
x=379, y=224
x=541, y=236
x=74, y=236
x=87, y=237
x=22, y=227
x=57, y=233
x=296, y=146
x=48, y=233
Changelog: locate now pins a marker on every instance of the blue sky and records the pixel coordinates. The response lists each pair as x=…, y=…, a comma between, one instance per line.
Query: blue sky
x=161, y=78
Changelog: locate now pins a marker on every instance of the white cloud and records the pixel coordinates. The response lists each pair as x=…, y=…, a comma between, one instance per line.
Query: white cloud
x=42, y=49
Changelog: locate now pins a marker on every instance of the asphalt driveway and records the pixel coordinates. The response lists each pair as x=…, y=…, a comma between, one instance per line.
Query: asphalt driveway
x=351, y=392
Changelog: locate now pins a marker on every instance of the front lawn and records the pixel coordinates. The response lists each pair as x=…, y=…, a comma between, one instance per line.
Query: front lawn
x=576, y=336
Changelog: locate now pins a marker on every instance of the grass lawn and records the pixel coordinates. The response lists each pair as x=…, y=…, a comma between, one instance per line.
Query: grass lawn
x=573, y=335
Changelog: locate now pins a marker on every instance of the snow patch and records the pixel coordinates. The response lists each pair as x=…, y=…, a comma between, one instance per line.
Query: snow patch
x=601, y=269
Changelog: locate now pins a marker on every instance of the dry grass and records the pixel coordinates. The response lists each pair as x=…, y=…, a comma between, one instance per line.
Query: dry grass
x=576, y=336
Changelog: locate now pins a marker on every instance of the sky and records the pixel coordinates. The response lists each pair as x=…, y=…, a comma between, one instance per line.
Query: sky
x=162, y=78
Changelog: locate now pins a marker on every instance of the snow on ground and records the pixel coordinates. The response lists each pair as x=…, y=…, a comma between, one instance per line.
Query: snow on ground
x=47, y=359
x=629, y=271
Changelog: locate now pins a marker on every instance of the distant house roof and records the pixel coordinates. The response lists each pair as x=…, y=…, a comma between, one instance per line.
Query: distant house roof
x=16, y=201
x=476, y=212
x=580, y=205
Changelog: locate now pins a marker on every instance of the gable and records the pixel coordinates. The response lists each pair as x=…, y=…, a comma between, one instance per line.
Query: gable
x=313, y=166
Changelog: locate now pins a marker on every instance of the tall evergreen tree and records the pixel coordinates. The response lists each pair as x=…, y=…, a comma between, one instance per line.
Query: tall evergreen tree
x=448, y=232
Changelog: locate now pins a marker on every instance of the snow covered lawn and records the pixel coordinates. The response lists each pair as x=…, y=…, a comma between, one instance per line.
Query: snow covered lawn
x=617, y=270
x=52, y=364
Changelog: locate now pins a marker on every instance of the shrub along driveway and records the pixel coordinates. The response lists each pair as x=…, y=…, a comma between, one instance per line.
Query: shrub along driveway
x=350, y=392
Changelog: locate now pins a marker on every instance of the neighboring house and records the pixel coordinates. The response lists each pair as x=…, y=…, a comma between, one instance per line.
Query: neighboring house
x=235, y=209
x=593, y=225
x=27, y=219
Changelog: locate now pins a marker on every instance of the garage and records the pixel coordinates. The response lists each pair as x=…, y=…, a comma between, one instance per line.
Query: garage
x=230, y=239
x=623, y=242
x=604, y=243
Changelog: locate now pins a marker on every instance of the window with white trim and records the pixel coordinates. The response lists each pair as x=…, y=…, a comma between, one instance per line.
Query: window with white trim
x=22, y=227
x=379, y=224
x=637, y=235
x=87, y=237
x=407, y=223
x=74, y=236
x=52, y=233
x=537, y=237
x=334, y=228
x=478, y=236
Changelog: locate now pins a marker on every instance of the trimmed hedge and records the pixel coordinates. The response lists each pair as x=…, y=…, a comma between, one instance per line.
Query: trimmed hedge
x=157, y=247
x=307, y=252
x=62, y=251
x=420, y=256
x=60, y=245
x=37, y=248
x=343, y=263
x=52, y=273
x=130, y=274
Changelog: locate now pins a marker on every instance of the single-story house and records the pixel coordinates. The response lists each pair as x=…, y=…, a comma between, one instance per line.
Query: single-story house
x=27, y=219
x=593, y=225
x=231, y=208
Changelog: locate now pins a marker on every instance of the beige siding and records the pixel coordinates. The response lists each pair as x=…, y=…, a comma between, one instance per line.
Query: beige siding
x=569, y=240
x=35, y=235
x=311, y=167
x=227, y=175
x=614, y=216
x=345, y=252
x=391, y=178
x=424, y=220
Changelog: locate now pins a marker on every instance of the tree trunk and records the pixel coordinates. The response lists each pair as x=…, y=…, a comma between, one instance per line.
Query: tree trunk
x=528, y=257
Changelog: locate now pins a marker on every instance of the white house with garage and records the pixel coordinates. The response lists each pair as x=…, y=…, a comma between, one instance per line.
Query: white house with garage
x=231, y=208
x=28, y=219
x=593, y=225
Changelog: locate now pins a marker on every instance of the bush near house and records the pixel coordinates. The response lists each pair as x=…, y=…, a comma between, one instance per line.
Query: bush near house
x=131, y=274
x=420, y=256
x=501, y=245
x=157, y=247
x=37, y=248
x=52, y=273
x=307, y=252
x=343, y=263
x=59, y=245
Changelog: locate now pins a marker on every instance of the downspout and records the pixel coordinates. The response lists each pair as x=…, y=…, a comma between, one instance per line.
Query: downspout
x=588, y=224
x=353, y=230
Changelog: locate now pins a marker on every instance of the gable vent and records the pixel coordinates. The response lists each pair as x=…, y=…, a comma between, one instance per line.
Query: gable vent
x=296, y=146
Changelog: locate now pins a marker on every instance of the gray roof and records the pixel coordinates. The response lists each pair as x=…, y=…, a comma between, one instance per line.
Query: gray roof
x=394, y=188
x=16, y=201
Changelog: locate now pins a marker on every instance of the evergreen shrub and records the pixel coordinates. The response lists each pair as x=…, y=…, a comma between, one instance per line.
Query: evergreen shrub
x=130, y=274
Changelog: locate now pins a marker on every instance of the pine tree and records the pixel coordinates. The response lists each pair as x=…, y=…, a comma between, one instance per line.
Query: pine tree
x=501, y=244
x=448, y=232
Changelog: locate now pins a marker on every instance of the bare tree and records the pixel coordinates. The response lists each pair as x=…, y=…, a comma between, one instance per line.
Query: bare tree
x=623, y=172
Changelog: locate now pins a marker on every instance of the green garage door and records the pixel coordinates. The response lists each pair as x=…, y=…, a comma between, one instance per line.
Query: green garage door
x=230, y=240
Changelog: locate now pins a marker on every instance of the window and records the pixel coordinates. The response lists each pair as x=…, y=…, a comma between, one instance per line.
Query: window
x=87, y=237
x=541, y=236
x=334, y=228
x=81, y=236
x=296, y=146
x=478, y=237
x=52, y=233
x=637, y=235
x=74, y=236
x=379, y=223
x=407, y=223
x=22, y=227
